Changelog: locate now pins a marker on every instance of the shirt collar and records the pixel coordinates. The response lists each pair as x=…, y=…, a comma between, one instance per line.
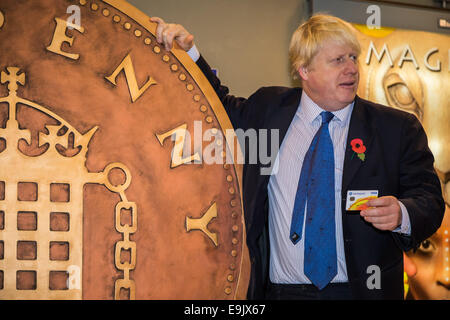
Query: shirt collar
x=310, y=111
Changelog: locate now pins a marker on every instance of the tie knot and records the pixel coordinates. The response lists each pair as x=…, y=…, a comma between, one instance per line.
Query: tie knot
x=326, y=117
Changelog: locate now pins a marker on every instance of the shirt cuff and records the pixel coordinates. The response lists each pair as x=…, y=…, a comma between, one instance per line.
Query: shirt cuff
x=405, y=227
x=194, y=53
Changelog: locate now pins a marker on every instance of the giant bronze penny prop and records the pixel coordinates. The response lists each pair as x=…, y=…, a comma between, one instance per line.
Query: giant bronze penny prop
x=100, y=195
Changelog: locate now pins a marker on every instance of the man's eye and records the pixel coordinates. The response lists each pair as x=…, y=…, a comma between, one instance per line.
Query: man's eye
x=354, y=58
x=426, y=247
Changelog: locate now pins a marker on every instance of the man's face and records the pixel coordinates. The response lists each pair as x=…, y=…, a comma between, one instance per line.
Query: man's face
x=331, y=79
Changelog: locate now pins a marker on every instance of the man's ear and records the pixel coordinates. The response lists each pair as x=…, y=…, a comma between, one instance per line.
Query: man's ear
x=303, y=73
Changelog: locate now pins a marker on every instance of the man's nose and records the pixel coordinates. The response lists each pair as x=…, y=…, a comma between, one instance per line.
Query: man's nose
x=351, y=67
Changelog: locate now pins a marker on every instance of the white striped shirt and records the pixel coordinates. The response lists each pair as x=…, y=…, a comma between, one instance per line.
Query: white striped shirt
x=286, y=259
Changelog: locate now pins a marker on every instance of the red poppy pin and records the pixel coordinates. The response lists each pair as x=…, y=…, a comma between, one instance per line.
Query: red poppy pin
x=359, y=148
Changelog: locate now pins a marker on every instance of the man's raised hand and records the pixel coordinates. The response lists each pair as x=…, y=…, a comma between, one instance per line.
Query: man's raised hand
x=167, y=33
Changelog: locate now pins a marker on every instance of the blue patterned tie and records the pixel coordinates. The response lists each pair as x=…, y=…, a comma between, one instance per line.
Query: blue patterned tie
x=316, y=184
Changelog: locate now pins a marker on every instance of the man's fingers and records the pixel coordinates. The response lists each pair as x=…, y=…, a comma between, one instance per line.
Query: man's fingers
x=375, y=212
x=162, y=35
x=189, y=41
x=168, y=40
x=159, y=33
x=174, y=33
x=386, y=222
x=158, y=20
x=161, y=26
x=380, y=202
x=167, y=33
x=385, y=216
x=185, y=40
x=378, y=219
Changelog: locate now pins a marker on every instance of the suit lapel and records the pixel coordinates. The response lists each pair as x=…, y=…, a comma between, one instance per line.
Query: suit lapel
x=360, y=128
x=281, y=117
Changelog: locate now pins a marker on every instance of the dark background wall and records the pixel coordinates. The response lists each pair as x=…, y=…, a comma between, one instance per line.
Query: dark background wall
x=414, y=16
x=248, y=40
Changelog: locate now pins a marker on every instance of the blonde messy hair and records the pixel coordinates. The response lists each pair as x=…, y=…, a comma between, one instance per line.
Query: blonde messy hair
x=312, y=34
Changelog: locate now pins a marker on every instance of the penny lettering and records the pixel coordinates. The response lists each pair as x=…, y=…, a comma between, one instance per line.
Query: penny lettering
x=202, y=223
x=60, y=36
x=127, y=66
x=177, y=154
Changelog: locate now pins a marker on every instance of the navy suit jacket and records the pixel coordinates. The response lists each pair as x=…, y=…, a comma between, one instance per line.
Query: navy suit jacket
x=398, y=163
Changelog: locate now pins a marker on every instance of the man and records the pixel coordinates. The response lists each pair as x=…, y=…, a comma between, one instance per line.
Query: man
x=303, y=243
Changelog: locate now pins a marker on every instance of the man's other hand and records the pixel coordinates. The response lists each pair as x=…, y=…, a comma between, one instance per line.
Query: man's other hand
x=384, y=213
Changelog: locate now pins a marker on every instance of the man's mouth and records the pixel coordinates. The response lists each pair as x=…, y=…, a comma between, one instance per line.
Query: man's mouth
x=348, y=84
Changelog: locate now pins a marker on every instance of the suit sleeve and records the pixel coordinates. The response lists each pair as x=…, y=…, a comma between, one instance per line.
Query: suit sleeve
x=420, y=189
x=239, y=109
